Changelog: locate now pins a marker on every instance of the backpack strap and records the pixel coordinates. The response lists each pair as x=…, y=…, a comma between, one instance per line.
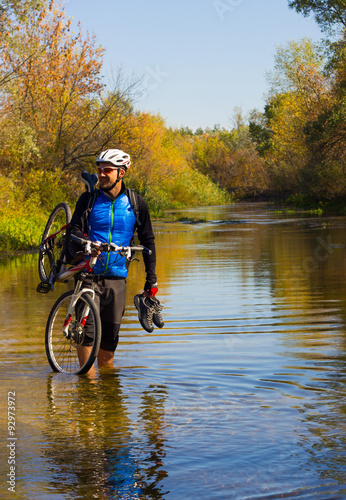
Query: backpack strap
x=133, y=197
x=90, y=180
x=89, y=206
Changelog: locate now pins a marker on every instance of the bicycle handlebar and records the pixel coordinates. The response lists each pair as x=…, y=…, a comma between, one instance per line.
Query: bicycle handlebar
x=109, y=247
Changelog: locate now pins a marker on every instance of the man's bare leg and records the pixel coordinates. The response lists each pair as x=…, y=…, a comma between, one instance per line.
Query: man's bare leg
x=105, y=358
x=84, y=352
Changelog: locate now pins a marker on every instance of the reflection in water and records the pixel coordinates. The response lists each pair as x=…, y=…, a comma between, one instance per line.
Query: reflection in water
x=152, y=417
x=240, y=395
x=91, y=443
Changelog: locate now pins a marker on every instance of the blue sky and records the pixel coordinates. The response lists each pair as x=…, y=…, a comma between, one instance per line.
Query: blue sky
x=198, y=59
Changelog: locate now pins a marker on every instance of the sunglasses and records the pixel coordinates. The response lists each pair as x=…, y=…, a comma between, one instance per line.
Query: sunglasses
x=106, y=170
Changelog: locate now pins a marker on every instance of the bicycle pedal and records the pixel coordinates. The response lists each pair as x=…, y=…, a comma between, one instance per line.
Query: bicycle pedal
x=43, y=287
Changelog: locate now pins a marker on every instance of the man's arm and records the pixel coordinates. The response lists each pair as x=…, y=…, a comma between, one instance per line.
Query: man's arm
x=146, y=238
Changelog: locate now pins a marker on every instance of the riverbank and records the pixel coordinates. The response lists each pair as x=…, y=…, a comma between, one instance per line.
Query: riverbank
x=20, y=232
x=299, y=203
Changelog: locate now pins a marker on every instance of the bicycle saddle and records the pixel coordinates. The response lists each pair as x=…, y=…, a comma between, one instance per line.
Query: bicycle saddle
x=89, y=180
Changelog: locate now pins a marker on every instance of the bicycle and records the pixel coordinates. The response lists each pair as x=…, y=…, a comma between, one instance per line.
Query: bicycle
x=65, y=328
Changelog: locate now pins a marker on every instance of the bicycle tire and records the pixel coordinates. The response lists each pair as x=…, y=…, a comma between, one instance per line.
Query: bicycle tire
x=49, y=256
x=62, y=351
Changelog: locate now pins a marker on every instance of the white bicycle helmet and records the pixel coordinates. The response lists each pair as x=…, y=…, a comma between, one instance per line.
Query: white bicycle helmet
x=115, y=156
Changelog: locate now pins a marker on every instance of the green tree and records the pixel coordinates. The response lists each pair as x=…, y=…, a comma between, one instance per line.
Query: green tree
x=299, y=92
x=329, y=14
x=259, y=129
x=323, y=175
x=298, y=68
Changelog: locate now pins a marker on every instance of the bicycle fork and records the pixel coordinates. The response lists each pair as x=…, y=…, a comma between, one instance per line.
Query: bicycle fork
x=78, y=292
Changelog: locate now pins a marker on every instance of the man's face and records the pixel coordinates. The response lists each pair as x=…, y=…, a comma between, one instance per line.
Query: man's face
x=107, y=174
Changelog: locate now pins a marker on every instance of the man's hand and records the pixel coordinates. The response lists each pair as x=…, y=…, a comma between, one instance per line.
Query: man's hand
x=91, y=250
x=95, y=252
x=151, y=289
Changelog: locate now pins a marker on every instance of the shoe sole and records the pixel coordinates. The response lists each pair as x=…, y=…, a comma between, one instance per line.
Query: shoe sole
x=157, y=323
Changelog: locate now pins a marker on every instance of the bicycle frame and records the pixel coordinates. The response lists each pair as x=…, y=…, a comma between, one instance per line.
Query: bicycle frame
x=51, y=236
x=66, y=274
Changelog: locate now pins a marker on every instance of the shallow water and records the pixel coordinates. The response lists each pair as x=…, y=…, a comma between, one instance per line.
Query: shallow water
x=240, y=395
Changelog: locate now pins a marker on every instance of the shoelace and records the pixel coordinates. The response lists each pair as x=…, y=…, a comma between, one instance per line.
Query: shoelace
x=150, y=317
x=157, y=308
x=150, y=312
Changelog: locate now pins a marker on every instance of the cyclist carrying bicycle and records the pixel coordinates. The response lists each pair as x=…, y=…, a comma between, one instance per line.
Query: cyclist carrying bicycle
x=111, y=218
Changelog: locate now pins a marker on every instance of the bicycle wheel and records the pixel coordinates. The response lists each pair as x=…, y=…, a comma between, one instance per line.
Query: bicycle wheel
x=61, y=348
x=51, y=248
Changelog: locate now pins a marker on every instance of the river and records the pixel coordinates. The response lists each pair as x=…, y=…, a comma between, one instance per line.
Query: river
x=241, y=395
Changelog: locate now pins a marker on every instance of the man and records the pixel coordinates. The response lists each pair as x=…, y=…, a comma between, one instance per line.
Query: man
x=112, y=219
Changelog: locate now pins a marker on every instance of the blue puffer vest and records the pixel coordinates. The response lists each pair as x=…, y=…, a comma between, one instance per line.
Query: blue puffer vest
x=111, y=222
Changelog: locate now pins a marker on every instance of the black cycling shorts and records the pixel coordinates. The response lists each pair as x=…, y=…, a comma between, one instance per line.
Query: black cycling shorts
x=110, y=297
